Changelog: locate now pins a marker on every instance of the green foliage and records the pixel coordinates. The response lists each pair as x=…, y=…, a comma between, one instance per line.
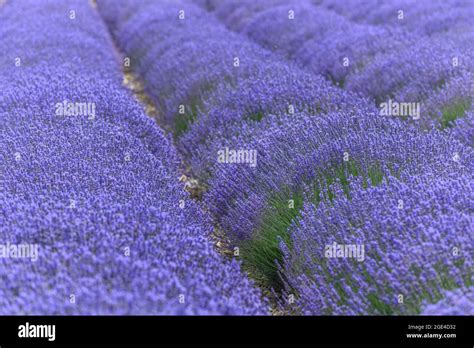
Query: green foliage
x=262, y=254
x=454, y=111
x=256, y=116
x=183, y=121
x=191, y=109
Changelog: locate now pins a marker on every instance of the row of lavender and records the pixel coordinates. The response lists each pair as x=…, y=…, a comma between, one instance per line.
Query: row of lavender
x=424, y=56
x=423, y=16
x=287, y=156
x=92, y=217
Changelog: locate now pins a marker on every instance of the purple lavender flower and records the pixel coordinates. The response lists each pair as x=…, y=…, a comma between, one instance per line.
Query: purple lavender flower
x=384, y=250
x=456, y=302
x=463, y=129
x=360, y=56
x=177, y=81
x=303, y=149
x=408, y=75
x=276, y=89
x=423, y=17
x=349, y=49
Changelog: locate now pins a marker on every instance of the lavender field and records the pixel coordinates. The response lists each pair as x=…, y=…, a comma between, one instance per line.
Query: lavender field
x=236, y=157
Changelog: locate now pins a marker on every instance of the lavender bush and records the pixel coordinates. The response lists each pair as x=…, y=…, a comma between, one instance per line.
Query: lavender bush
x=423, y=17
x=178, y=73
x=382, y=62
x=413, y=242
